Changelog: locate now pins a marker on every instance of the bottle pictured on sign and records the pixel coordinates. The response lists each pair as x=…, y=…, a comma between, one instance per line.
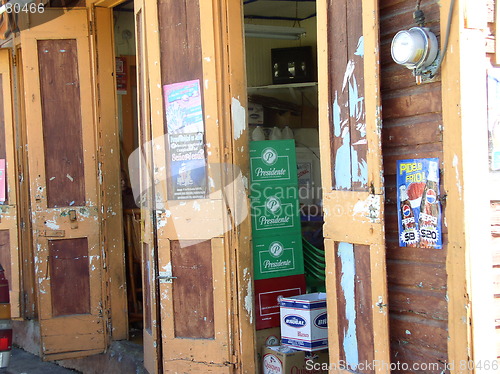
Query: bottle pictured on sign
x=429, y=209
x=410, y=235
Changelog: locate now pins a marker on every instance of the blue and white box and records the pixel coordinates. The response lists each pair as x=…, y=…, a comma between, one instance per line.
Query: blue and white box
x=304, y=323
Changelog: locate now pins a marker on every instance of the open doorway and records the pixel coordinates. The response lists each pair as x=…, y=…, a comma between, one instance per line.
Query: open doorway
x=281, y=67
x=126, y=89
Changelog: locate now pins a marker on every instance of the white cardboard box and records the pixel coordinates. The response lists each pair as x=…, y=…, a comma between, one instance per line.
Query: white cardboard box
x=304, y=322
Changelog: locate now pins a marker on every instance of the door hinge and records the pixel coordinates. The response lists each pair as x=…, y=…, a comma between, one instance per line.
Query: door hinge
x=14, y=60
x=91, y=28
x=165, y=277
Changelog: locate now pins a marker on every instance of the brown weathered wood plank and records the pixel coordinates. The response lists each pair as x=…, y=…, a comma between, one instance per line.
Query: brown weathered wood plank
x=341, y=321
x=423, y=303
x=363, y=292
x=337, y=60
x=193, y=295
x=69, y=276
x=5, y=254
x=62, y=122
x=417, y=276
x=356, y=101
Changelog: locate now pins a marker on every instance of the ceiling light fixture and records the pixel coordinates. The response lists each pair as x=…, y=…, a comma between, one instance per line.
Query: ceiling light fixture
x=273, y=32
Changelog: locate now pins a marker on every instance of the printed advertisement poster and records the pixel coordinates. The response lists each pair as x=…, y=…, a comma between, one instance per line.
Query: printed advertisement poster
x=2, y=180
x=419, y=209
x=187, y=166
x=186, y=130
x=183, y=107
x=121, y=75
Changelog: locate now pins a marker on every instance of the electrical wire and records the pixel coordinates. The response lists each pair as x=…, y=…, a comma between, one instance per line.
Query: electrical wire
x=418, y=15
x=447, y=37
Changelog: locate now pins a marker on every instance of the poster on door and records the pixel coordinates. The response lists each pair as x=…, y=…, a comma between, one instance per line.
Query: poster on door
x=186, y=140
x=183, y=110
x=121, y=75
x=419, y=209
x=2, y=181
x=187, y=166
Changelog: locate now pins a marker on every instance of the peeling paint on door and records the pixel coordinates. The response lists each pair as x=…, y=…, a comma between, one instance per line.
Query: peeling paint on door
x=238, y=115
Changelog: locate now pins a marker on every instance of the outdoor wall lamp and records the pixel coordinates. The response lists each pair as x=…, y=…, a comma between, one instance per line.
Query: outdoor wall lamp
x=417, y=49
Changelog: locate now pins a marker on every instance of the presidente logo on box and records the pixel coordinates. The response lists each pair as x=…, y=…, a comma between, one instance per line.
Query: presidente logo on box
x=274, y=212
x=278, y=255
x=270, y=167
x=273, y=161
x=276, y=258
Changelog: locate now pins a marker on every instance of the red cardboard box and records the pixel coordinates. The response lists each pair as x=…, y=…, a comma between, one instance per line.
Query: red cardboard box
x=268, y=293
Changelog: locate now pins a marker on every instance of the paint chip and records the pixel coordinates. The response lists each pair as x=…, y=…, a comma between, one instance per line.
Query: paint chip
x=238, y=114
x=69, y=177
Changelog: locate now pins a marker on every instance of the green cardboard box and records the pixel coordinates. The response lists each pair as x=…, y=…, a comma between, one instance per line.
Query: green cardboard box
x=278, y=256
x=274, y=210
x=273, y=162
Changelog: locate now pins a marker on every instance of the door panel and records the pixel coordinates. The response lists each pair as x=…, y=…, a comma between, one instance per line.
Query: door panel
x=350, y=127
x=195, y=305
x=63, y=175
x=9, y=254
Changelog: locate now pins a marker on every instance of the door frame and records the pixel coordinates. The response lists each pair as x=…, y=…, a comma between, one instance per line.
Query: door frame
x=108, y=156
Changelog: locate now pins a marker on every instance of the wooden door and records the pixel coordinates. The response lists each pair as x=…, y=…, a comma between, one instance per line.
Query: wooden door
x=141, y=173
x=63, y=176
x=352, y=179
x=197, y=291
x=9, y=253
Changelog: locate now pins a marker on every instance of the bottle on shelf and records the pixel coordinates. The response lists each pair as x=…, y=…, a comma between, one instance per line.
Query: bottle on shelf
x=287, y=133
x=258, y=134
x=275, y=134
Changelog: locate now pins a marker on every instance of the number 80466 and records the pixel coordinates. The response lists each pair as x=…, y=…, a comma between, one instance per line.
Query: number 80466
x=24, y=8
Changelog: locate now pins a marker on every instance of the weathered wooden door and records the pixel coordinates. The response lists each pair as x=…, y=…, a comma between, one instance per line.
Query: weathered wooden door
x=9, y=254
x=141, y=167
x=196, y=278
x=352, y=179
x=63, y=176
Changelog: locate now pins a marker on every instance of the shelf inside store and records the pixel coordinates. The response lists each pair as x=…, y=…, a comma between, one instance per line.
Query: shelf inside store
x=287, y=86
x=292, y=92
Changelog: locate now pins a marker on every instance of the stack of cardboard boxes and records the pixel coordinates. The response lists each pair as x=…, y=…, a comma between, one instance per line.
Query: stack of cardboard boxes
x=279, y=260
x=276, y=235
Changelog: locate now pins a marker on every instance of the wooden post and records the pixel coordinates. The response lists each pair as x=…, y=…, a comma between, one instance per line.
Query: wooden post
x=465, y=146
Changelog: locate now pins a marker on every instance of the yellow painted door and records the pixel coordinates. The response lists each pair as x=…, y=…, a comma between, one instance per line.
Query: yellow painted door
x=352, y=179
x=140, y=168
x=63, y=176
x=9, y=253
x=195, y=276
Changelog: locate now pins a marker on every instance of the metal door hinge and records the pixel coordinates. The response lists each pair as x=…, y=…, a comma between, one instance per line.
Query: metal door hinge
x=165, y=277
x=14, y=60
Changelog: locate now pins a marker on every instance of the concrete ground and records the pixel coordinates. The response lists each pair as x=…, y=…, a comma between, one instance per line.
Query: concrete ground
x=22, y=362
